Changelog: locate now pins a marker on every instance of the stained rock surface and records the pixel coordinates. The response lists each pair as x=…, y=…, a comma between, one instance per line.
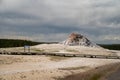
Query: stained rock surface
x=75, y=39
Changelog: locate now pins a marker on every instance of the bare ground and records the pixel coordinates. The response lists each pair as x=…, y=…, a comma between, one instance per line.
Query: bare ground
x=106, y=72
x=23, y=67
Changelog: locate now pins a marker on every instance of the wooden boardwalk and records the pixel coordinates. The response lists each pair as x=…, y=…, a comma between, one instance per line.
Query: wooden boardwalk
x=62, y=55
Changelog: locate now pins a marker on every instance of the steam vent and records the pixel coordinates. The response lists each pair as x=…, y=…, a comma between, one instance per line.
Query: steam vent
x=75, y=39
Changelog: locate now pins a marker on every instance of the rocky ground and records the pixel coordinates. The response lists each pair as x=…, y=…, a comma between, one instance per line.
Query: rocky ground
x=39, y=67
x=18, y=67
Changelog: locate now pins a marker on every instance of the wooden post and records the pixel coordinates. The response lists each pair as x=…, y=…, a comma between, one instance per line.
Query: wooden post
x=29, y=49
x=24, y=48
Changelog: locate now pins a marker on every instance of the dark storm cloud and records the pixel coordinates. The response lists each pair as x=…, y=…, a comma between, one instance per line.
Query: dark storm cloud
x=53, y=20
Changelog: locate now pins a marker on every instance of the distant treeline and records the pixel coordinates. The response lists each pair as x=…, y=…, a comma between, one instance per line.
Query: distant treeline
x=110, y=46
x=4, y=43
x=15, y=43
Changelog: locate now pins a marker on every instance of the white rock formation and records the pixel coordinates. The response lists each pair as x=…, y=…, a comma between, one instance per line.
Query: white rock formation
x=75, y=39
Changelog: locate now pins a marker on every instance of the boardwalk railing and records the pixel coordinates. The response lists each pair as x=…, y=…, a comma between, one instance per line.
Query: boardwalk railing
x=63, y=55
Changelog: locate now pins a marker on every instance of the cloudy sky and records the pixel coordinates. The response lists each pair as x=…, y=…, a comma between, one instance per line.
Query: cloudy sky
x=54, y=20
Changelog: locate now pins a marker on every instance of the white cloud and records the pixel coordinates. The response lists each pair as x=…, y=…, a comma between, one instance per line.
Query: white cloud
x=66, y=12
x=61, y=14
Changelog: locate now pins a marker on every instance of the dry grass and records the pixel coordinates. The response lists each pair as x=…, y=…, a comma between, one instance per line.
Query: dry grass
x=99, y=73
x=72, y=50
x=2, y=79
x=74, y=68
x=57, y=58
x=37, y=50
x=10, y=60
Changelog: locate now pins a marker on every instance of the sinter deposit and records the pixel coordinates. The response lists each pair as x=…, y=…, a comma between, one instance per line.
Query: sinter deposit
x=75, y=39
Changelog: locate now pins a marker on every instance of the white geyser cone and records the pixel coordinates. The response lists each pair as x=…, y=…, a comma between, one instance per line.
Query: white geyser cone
x=75, y=39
